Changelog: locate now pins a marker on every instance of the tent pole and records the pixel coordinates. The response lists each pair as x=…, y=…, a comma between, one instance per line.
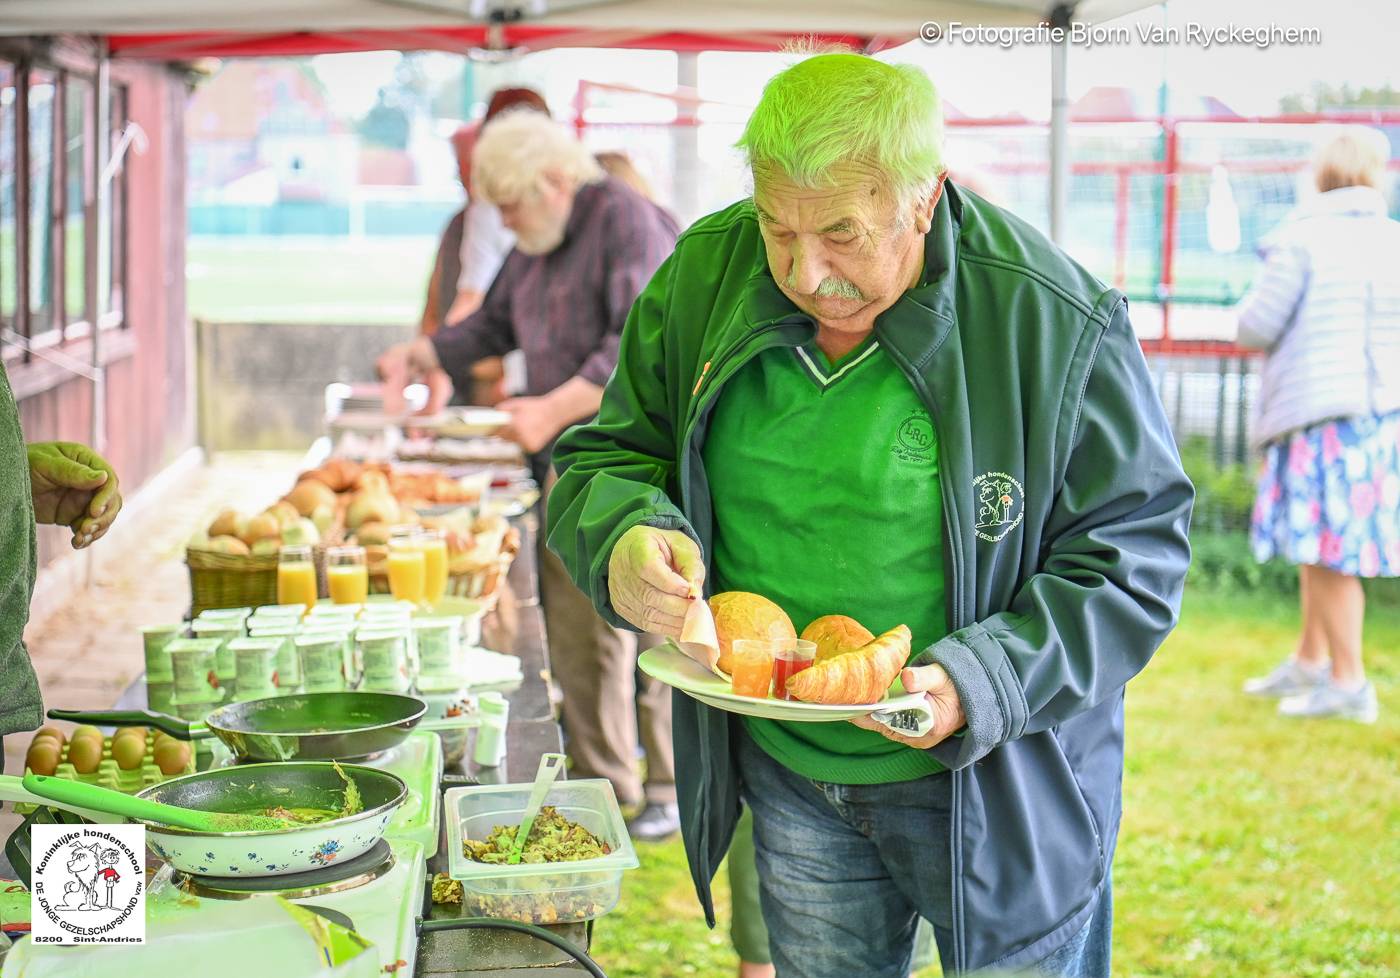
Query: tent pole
x=1059, y=126
x=687, y=140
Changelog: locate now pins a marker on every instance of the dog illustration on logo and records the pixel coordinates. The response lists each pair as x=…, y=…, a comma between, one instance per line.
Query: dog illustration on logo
x=996, y=501
x=80, y=893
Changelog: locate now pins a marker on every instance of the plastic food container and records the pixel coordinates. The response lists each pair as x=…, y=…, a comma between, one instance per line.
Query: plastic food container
x=154, y=639
x=538, y=893
x=439, y=645
x=447, y=700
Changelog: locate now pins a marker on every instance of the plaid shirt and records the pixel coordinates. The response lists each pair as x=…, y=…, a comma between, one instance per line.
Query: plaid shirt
x=566, y=309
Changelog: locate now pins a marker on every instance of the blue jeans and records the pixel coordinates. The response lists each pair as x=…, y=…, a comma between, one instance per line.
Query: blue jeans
x=846, y=871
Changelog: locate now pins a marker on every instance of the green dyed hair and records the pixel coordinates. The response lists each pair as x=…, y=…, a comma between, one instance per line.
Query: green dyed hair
x=834, y=108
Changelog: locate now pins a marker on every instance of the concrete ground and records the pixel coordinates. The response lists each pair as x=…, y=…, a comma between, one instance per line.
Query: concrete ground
x=86, y=648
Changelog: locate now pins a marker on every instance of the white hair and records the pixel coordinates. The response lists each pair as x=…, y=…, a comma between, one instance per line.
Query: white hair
x=516, y=149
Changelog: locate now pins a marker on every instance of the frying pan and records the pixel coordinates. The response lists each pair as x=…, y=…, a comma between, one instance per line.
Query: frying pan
x=254, y=787
x=306, y=726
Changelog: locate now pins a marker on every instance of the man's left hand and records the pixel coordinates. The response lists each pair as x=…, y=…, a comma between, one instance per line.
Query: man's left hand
x=533, y=422
x=942, y=699
x=73, y=486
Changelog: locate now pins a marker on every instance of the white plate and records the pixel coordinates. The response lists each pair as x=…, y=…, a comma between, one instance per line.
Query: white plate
x=470, y=422
x=675, y=668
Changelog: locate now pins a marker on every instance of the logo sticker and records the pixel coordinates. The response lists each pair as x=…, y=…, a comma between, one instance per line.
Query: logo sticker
x=1001, y=505
x=913, y=442
x=88, y=884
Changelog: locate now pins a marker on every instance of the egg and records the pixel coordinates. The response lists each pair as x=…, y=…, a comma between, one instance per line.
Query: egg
x=172, y=756
x=137, y=734
x=42, y=757
x=85, y=753
x=47, y=739
x=86, y=732
x=128, y=752
x=53, y=732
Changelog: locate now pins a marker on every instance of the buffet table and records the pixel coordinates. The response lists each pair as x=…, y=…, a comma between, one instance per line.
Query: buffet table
x=531, y=731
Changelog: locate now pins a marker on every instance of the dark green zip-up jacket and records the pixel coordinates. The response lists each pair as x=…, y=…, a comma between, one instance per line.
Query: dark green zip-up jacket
x=1064, y=526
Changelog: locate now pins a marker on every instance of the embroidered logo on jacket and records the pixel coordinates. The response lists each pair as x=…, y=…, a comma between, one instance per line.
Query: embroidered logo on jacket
x=1001, y=505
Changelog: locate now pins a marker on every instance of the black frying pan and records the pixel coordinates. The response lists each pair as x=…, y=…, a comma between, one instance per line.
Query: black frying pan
x=302, y=727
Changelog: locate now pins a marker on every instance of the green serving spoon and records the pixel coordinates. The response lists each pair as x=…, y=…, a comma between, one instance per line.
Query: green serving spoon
x=550, y=766
x=113, y=802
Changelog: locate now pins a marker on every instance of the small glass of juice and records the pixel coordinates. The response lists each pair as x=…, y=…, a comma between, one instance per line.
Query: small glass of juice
x=790, y=656
x=296, y=576
x=433, y=543
x=407, y=566
x=751, y=667
x=347, y=577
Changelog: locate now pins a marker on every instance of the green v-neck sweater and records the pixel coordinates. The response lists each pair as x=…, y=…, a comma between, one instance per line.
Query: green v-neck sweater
x=824, y=482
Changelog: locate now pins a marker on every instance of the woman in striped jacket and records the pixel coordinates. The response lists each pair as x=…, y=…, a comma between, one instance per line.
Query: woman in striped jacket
x=1327, y=311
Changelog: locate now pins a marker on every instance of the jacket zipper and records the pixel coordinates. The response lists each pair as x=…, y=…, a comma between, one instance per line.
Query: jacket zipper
x=717, y=364
x=952, y=567
x=714, y=369
x=695, y=411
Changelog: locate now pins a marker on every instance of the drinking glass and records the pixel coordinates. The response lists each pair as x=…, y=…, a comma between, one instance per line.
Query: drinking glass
x=347, y=577
x=296, y=576
x=407, y=567
x=751, y=667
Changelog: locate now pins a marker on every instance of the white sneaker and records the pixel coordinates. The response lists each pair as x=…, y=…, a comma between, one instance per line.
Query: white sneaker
x=1330, y=701
x=1290, y=679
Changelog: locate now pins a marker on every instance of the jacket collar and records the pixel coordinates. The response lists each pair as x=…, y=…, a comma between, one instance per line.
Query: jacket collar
x=922, y=316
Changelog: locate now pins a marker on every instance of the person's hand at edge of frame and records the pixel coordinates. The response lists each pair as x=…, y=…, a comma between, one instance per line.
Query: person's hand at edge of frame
x=73, y=486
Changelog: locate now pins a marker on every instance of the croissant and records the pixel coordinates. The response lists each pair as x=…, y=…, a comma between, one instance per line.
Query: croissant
x=860, y=676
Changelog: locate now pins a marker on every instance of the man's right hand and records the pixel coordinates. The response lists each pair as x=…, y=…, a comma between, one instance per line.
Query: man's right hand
x=653, y=576
x=401, y=365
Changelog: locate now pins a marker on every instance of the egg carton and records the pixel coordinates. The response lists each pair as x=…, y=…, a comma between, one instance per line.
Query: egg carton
x=110, y=775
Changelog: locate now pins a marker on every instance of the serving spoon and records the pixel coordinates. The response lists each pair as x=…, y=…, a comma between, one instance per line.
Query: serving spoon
x=115, y=802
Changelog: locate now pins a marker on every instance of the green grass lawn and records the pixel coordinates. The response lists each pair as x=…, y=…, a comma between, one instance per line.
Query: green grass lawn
x=1250, y=846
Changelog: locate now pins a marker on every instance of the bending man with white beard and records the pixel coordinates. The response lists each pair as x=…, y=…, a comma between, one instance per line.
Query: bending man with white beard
x=586, y=244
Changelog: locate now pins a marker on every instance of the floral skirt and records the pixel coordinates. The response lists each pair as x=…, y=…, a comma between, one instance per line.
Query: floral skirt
x=1330, y=495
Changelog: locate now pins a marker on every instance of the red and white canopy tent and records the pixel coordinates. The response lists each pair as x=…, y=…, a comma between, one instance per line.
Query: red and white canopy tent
x=178, y=30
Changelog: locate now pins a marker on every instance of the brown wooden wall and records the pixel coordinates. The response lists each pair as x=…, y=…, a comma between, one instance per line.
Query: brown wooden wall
x=149, y=418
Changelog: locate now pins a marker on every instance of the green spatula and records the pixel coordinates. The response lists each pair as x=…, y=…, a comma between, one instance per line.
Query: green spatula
x=550, y=766
x=107, y=800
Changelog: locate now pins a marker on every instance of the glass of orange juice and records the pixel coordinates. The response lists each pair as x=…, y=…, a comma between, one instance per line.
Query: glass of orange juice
x=433, y=543
x=347, y=578
x=407, y=566
x=751, y=667
x=296, y=576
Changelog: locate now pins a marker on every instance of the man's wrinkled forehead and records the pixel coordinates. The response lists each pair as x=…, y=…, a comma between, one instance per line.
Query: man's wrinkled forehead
x=854, y=197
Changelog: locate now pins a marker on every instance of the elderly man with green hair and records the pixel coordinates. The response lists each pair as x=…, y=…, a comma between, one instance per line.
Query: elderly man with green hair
x=868, y=392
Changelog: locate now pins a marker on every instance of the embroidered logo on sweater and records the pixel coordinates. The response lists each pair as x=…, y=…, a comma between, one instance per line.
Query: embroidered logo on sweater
x=913, y=442
x=1001, y=505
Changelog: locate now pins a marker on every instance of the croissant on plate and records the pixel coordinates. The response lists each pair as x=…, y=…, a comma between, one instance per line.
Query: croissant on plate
x=862, y=675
